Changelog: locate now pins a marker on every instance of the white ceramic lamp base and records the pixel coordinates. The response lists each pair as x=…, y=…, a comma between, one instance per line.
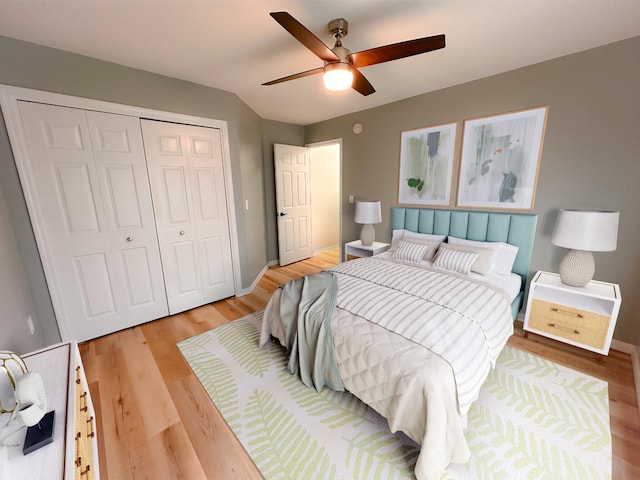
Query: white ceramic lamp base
x=577, y=268
x=367, y=235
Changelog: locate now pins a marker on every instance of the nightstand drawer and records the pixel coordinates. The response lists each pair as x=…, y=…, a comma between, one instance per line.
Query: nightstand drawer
x=580, y=326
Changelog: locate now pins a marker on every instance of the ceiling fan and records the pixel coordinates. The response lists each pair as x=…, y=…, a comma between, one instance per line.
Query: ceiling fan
x=340, y=65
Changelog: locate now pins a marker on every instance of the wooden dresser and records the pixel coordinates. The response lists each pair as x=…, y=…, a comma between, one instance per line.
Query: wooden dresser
x=73, y=455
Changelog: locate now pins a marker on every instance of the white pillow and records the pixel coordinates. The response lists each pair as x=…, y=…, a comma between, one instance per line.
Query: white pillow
x=504, y=254
x=410, y=252
x=424, y=238
x=506, y=258
x=455, y=260
x=482, y=265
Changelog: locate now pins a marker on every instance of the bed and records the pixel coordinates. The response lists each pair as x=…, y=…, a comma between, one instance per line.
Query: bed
x=414, y=332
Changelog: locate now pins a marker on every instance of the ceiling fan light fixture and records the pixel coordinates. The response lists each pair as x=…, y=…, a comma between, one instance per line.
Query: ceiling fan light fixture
x=337, y=76
x=341, y=68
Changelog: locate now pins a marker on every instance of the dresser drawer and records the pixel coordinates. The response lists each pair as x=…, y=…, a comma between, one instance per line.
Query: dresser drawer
x=580, y=326
x=84, y=465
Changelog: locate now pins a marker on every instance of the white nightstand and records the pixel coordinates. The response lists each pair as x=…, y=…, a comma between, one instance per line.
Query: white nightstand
x=581, y=316
x=356, y=249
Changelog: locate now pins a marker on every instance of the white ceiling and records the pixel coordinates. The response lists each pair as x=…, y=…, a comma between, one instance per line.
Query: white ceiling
x=235, y=45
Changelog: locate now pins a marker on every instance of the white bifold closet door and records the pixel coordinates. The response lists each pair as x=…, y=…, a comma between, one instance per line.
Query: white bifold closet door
x=88, y=190
x=185, y=166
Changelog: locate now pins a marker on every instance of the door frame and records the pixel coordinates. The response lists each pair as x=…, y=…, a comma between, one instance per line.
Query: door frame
x=334, y=141
x=9, y=98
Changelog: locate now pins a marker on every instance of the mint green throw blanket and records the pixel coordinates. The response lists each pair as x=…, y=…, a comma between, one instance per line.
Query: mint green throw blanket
x=306, y=309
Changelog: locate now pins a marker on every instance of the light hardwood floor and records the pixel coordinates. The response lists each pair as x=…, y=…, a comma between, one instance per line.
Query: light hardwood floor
x=156, y=422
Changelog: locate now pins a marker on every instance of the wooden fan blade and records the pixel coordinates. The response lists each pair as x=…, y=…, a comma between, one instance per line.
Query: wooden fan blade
x=361, y=84
x=295, y=75
x=304, y=36
x=396, y=51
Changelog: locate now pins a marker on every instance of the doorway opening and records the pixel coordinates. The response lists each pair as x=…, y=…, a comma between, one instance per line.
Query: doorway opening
x=308, y=190
x=326, y=160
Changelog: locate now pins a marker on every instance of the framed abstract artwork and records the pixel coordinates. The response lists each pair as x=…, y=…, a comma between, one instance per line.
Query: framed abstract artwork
x=427, y=158
x=500, y=160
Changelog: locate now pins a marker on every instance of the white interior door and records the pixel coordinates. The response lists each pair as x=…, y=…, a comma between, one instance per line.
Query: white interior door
x=91, y=202
x=293, y=203
x=187, y=183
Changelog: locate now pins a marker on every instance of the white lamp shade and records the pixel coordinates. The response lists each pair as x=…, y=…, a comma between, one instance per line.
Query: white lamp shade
x=590, y=230
x=337, y=76
x=368, y=212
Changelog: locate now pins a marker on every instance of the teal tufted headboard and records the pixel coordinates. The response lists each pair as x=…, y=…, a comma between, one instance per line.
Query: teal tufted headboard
x=514, y=228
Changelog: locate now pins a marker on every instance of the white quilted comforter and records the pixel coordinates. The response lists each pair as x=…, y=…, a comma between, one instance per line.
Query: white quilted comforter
x=407, y=383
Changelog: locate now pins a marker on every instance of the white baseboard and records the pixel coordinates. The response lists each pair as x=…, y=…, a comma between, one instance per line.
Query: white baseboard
x=248, y=290
x=623, y=347
x=272, y=263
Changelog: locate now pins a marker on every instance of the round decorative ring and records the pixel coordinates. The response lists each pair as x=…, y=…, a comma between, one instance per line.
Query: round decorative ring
x=12, y=367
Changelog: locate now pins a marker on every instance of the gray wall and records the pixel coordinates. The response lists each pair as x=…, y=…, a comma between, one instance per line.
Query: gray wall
x=41, y=68
x=17, y=302
x=590, y=157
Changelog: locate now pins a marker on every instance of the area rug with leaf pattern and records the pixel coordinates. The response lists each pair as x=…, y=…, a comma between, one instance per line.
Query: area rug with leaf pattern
x=534, y=418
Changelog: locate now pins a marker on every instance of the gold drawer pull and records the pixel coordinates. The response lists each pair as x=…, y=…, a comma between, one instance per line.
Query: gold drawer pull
x=567, y=312
x=86, y=406
x=92, y=433
x=78, y=460
x=85, y=471
x=570, y=330
x=78, y=375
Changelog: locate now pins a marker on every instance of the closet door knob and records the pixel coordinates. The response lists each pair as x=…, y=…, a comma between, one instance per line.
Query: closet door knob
x=129, y=239
x=181, y=232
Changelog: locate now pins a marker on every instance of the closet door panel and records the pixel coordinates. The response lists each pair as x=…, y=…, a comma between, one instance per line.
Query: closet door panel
x=95, y=285
x=122, y=194
x=75, y=198
x=121, y=168
x=187, y=183
x=89, y=207
x=171, y=190
x=214, y=251
x=185, y=261
x=73, y=240
x=206, y=187
x=175, y=195
x=139, y=279
x=204, y=151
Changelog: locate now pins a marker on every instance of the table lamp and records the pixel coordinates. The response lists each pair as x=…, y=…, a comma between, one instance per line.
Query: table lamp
x=583, y=232
x=367, y=214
